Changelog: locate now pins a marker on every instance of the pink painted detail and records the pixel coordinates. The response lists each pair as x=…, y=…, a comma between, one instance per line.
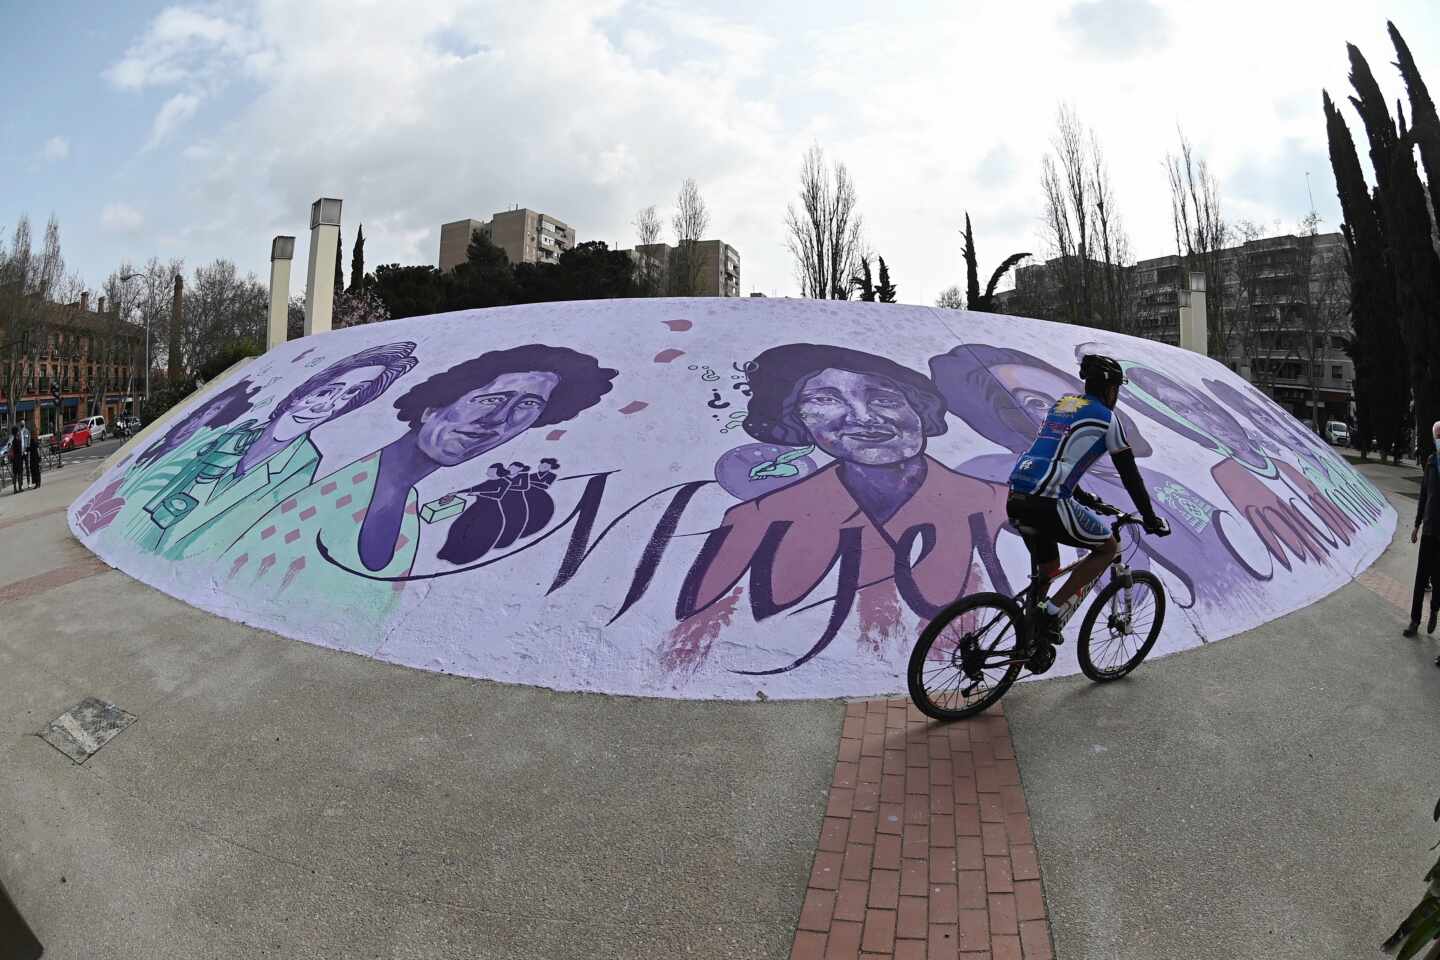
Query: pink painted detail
x=292, y=536
x=101, y=509
x=265, y=564
x=665, y=356
x=307, y=513
x=295, y=567
x=410, y=508
x=288, y=505
x=328, y=489
x=678, y=326
x=359, y=515
x=240, y=561
x=397, y=586
x=400, y=542
x=268, y=532
x=554, y=434
x=360, y=477
x=343, y=502
x=879, y=618
x=634, y=406
x=688, y=644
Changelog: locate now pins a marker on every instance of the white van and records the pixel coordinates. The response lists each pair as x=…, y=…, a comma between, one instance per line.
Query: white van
x=1337, y=433
x=97, y=427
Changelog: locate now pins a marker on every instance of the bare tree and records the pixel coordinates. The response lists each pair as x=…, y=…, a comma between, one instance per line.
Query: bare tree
x=1084, y=231
x=649, y=271
x=824, y=235
x=951, y=298
x=1200, y=235
x=222, y=310
x=30, y=280
x=690, y=221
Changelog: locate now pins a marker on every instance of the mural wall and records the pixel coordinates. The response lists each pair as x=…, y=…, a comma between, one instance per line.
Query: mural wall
x=698, y=498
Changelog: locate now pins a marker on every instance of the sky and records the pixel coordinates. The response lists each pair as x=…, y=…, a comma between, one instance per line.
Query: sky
x=202, y=130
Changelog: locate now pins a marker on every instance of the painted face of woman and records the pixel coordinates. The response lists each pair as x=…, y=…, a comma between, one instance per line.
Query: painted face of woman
x=860, y=417
x=323, y=403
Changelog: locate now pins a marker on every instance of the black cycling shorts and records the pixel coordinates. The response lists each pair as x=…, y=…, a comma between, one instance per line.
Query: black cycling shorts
x=1045, y=523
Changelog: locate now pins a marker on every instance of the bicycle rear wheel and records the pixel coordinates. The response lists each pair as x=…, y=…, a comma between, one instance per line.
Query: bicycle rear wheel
x=966, y=658
x=1129, y=629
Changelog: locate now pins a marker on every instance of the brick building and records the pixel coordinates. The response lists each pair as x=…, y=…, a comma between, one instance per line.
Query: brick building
x=91, y=359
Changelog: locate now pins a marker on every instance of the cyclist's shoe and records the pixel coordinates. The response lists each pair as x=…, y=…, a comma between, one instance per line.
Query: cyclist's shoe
x=1047, y=628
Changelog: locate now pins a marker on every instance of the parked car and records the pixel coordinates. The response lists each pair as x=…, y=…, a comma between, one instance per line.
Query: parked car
x=97, y=427
x=75, y=435
x=1336, y=433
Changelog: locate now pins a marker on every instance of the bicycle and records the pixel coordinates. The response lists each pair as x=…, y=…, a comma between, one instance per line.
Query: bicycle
x=956, y=639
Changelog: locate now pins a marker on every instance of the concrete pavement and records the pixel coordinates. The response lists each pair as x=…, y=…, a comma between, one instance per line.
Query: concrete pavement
x=275, y=798
x=1268, y=795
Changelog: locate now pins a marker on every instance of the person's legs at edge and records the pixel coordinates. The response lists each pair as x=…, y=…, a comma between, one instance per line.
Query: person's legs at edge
x=1429, y=555
x=1423, y=576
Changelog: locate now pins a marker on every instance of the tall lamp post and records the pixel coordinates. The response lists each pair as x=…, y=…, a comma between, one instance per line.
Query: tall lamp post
x=126, y=278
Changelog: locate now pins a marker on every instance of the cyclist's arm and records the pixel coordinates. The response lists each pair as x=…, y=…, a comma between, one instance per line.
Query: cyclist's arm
x=1086, y=499
x=1124, y=459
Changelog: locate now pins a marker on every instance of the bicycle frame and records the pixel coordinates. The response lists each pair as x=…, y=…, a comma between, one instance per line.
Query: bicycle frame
x=1036, y=590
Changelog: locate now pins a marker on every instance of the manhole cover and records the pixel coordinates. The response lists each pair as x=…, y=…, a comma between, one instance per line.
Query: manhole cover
x=85, y=728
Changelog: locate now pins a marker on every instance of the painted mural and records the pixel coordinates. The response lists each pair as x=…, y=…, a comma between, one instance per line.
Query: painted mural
x=698, y=498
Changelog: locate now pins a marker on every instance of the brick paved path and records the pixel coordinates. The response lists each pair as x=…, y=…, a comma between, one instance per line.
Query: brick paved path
x=926, y=851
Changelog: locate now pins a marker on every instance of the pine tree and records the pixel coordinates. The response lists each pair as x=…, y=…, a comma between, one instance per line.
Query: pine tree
x=357, y=260
x=884, y=290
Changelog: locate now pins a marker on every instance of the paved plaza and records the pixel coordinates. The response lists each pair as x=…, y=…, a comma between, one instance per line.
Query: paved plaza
x=1256, y=796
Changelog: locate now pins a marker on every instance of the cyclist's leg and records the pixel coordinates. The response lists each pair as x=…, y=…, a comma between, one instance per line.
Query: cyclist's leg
x=1086, y=530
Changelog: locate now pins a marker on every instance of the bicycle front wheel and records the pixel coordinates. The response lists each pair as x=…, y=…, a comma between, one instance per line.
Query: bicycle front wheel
x=967, y=657
x=1121, y=626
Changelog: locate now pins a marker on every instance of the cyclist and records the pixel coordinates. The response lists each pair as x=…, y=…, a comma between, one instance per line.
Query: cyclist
x=1047, y=506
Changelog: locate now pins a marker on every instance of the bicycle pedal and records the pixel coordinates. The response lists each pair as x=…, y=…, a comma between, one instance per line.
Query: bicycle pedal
x=1042, y=659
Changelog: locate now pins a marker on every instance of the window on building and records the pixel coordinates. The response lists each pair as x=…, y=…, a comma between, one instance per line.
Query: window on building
x=1337, y=372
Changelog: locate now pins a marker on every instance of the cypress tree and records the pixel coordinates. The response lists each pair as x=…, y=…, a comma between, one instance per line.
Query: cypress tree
x=884, y=290
x=1406, y=223
x=972, y=268
x=1381, y=378
x=339, y=272
x=865, y=281
x=357, y=260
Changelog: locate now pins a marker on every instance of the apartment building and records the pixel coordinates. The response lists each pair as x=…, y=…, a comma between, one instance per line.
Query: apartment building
x=525, y=235
x=1283, y=300
x=84, y=362
x=718, y=274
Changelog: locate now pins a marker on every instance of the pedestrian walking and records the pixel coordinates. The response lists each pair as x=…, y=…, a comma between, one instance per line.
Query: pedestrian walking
x=17, y=461
x=35, y=463
x=1427, y=532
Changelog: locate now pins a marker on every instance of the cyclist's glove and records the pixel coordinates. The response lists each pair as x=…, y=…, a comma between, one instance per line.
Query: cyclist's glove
x=1157, y=526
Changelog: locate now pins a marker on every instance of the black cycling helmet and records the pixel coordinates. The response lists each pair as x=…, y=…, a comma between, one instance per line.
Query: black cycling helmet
x=1107, y=370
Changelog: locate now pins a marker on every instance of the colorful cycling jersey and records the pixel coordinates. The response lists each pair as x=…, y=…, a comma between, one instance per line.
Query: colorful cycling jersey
x=1076, y=431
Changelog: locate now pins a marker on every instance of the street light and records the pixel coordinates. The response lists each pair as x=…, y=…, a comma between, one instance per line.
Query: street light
x=126, y=278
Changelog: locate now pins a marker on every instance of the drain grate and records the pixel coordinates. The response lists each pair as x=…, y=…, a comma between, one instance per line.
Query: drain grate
x=85, y=728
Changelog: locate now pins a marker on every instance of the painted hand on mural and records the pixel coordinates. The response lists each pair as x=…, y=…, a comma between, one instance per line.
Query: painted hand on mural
x=101, y=509
x=464, y=412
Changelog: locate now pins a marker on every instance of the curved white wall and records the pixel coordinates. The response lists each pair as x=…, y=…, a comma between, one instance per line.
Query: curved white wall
x=667, y=521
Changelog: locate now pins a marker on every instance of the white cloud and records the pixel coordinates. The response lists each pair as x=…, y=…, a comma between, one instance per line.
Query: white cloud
x=56, y=148
x=418, y=114
x=172, y=115
x=120, y=218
